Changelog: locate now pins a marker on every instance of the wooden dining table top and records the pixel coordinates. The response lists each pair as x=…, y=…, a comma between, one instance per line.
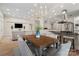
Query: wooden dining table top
x=43, y=41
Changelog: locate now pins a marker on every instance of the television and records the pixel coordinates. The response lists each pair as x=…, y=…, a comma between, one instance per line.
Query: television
x=17, y=25
x=76, y=24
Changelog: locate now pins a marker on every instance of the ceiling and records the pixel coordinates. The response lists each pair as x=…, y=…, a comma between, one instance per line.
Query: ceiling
x=25, y=10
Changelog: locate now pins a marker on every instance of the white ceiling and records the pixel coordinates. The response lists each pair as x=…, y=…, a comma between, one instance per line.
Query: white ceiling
x=25, y=10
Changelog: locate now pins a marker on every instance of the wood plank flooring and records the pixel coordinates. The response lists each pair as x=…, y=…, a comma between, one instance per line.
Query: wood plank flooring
x=6, y=48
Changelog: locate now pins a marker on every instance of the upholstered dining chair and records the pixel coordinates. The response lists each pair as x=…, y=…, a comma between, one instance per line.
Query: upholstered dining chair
x=22, y=49
x=63, y=50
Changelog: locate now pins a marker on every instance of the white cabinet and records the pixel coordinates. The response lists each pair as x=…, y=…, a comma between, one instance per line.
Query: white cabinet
x=15, y=33
x=1, y=25
x=8, y=30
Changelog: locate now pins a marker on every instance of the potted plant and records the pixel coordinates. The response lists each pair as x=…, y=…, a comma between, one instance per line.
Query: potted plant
x=38, y=28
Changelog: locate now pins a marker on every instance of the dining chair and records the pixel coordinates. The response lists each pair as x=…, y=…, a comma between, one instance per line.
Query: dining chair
x=63, y=50
x=23, y=49
x=67, y=38
x=49, y=34
x=55, y=36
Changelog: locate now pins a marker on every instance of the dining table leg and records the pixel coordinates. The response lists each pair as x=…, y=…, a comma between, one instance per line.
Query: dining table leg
x=36, y=52
x=56, y=45
x=73, y=44
x=40, y=51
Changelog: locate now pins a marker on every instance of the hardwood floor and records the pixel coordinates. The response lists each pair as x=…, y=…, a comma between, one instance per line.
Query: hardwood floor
x=74, y=52
x=6, y=46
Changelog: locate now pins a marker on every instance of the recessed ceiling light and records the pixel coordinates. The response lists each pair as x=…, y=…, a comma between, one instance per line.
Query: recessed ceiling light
x=55, y=14
x=53, y=11
x=45, y=6
x=35, y=5
x=41, y=7
x=17, y=9
x=8, y=9
x=61, y=6
x=31, y=10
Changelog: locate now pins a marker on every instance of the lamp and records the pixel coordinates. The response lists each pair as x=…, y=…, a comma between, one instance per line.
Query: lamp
x=64, y=12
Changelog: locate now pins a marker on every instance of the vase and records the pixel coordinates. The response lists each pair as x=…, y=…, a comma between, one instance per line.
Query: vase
x=38, y=34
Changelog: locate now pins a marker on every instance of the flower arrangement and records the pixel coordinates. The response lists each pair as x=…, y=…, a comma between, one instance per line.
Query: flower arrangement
x=38, y=28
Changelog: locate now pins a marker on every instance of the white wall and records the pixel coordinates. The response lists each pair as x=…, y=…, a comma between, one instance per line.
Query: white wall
x=76, y=21
x=1, y=24
x=9, y=22
x=47, y=24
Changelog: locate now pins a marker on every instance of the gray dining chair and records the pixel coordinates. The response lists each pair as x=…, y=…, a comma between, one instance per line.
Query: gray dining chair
x=22, y=49
x=63, y=50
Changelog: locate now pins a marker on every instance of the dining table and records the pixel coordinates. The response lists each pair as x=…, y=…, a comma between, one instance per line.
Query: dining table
x=42, y=42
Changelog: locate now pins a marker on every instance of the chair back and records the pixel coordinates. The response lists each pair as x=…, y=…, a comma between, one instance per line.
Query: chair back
x=64, y=49
x=23, y=47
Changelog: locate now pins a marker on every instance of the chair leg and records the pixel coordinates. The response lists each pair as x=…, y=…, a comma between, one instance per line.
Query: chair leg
x=56, y=45
x=73, y=43
x=37, y=53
